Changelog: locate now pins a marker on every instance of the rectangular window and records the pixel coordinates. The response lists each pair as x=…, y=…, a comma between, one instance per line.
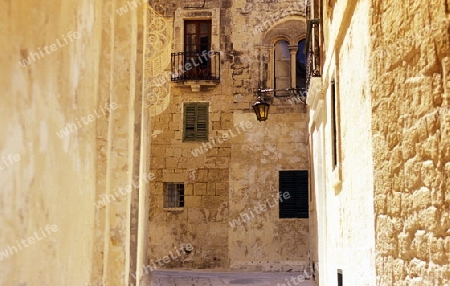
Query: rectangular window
x=197, y=35
x=173, y=195
x=296, y=184
x=197, y=44
x=333, y=124
x=340, y=277
x=195, y=121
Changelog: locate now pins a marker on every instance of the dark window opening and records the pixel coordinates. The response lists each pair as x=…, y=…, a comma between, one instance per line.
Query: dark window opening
x=333, y=122
x=295, y=183
x=300, y=68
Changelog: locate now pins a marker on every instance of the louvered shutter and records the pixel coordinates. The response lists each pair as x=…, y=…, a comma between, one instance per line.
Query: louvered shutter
x=189, y=122
x=196, y=121
x=296, y=184
x=202, y=122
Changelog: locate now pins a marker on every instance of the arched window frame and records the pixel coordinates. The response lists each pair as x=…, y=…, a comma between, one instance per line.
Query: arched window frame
x=293, y=49
x=292, y=30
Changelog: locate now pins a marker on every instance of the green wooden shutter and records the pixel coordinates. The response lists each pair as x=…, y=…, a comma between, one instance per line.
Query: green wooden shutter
x=196, y=121
x=189, y=122
x=202, y=122
x=296, y=184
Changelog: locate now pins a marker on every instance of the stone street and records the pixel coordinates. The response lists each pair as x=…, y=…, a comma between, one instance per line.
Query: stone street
x=216, y=278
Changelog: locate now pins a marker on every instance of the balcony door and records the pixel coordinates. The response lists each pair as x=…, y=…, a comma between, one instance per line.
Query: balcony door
x=197, y=43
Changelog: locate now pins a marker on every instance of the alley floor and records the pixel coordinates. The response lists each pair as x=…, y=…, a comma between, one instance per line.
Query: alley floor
x=215, y=278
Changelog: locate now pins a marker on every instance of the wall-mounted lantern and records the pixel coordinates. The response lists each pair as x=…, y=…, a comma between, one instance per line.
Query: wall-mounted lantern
x=261, y=109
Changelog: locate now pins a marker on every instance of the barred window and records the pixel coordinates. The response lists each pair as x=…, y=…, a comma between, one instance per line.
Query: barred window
x=173, y=195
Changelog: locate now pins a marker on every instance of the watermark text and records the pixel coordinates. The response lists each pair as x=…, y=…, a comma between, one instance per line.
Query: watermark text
x=34, y=56
x=37, y=236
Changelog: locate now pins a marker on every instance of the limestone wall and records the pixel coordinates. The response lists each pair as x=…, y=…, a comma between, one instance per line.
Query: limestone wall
x=67, y=117
x=411, y=116
x=353, y=199
x=223, y=181
x=386, y=204
x=343, y=201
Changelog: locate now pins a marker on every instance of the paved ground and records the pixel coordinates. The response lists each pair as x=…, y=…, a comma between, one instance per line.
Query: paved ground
x=214, y=278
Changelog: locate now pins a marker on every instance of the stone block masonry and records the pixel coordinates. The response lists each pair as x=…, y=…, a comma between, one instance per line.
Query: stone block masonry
x=411, y=126
x=224, y=137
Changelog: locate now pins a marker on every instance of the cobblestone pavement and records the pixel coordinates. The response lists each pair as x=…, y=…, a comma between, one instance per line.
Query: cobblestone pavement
x=215, y=278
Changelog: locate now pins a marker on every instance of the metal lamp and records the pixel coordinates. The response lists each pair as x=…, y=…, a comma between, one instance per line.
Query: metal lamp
x=261, y=109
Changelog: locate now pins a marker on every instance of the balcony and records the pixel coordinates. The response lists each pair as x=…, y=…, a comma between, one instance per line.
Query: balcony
x=313, y=63
x=196, y=68
x=314, y=67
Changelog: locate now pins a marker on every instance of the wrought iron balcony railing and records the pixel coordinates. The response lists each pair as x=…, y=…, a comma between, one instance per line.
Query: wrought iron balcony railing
x=196, y=66
x=293, y=95
x=313, y=50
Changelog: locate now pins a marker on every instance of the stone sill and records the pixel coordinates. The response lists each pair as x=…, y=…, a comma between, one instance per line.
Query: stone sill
x=173, y=209
x=197, y=84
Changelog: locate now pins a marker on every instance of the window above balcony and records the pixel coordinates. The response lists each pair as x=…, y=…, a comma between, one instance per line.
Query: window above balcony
x=283, y=67
x=289, y=66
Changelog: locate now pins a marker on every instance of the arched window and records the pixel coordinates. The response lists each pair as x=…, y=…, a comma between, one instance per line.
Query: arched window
x=285, y=66
x=282, y=65
x=283, y=59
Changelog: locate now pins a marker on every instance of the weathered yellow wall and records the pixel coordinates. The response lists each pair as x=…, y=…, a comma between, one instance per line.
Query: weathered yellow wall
x=223, y=182
x=58, y=181
x=264, y=242
x=54, y=181
x=410, y=71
